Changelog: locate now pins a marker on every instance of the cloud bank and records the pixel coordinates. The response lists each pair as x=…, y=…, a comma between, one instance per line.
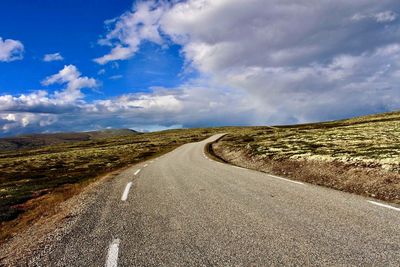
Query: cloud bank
x=67, y=110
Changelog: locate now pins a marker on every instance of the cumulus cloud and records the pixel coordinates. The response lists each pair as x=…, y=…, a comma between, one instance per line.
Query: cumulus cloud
x=130, y=29
x=67, y=109
x=187, y=106
x=39, y=108
x=70, y=76
x=10, y=50
x=53, y=57
x=295, y=61
x=25, y=122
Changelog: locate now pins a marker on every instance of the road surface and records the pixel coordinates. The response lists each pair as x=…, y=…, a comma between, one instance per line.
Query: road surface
x=184, y=209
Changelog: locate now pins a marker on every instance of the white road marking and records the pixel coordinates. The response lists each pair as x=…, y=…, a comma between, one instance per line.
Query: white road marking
x=126, y=192
x=136, y=172
x=277, y=177
x=284, y=179
x=145, y=165
x=383, y=205
x=112, y=257
x=237, y=167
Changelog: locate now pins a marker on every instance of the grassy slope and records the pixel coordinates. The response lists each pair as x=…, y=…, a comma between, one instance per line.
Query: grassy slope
x=359, y=155
x=33, y=179
x=39, y=140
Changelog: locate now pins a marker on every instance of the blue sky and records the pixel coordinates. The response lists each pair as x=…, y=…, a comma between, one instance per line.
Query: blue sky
x=148, y=65
x=72, y=29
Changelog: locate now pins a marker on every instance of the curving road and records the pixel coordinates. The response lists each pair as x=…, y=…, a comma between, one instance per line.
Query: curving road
x=184, y=209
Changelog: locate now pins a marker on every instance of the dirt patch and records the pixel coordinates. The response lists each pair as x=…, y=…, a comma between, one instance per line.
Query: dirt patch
x=361, y=179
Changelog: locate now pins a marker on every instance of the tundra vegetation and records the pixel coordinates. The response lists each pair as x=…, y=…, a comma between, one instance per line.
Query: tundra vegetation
x=359, y=155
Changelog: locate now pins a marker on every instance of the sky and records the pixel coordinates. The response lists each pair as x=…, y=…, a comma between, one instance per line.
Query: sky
x=150, y=65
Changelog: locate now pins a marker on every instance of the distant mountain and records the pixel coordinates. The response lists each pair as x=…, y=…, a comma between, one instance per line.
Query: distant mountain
x=39, y=140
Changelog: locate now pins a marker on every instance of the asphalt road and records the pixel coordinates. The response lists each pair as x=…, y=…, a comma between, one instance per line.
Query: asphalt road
x=184, y=209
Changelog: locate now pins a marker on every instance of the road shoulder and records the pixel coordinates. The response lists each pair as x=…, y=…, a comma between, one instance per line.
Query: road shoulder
x=37, y=239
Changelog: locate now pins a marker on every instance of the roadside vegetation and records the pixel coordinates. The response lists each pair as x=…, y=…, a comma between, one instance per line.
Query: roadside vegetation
x=359, y=155
x=37, y=176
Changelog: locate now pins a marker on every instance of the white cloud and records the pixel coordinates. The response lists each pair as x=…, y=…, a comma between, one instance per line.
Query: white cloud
x=149, y=103
x=130, y=30
x=70, y=76
x=386, y=16
x=15, y=121
x=39, y=109
x=189, y=105
x=53, y=57
x=380, y=17
x=11, y=50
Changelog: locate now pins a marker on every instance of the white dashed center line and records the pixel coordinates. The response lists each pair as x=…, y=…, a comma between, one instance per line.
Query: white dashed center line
x=136, y=172
x=383, y=205
x=112, y=257
x=126, y=192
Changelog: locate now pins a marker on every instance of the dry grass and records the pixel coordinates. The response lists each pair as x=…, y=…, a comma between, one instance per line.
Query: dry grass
x=38, y=207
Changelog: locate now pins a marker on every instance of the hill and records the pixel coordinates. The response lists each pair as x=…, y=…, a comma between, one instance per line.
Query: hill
x=40, y=140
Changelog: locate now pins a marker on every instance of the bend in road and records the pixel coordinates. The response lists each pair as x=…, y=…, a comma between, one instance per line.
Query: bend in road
x=185, y=210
